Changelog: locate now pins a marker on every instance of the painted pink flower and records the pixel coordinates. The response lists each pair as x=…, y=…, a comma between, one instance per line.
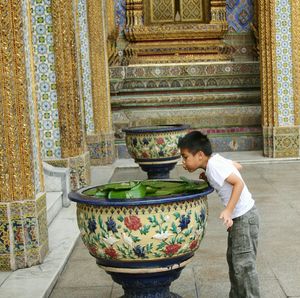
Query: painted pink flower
x=172, y=249
x=132, y=222
x=110, y=251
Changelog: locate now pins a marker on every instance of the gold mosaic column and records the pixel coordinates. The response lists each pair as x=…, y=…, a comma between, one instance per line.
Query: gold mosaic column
x=71, y=119
x=23, y=218
x=101, y=143
x=279, y=141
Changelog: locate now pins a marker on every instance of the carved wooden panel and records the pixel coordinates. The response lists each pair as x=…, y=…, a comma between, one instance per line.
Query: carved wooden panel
x=162, y=11
x=191, y=10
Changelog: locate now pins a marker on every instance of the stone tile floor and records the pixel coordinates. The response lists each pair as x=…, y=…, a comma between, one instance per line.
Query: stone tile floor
x=275, y=187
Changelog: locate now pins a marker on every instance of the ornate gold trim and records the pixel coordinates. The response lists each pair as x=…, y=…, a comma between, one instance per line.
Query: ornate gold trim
x=99, y=66
x=268, y=63
x=69, y=105
x=296, y=61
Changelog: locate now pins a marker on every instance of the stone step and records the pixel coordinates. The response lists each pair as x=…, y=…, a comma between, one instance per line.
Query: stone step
x=54, y=205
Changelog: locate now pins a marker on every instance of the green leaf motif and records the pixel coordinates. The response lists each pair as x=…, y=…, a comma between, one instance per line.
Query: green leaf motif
x=135, y=238
x=120, y=218
x=177, y=215
x=161, y=245
x=145, y=229
x=174, y=228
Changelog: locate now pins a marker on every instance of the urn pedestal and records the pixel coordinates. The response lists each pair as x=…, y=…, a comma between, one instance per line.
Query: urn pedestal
x=143, y=243
x=154, y=148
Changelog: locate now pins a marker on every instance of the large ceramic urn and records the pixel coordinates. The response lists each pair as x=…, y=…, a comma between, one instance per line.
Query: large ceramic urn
x=154, y=148
x=143, y=243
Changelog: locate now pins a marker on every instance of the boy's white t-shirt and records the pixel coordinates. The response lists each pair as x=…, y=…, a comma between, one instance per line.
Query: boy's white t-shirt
x=217, y=171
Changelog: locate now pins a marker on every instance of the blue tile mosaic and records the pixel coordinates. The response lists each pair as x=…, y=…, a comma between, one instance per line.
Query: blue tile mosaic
x=284, y=63
x=239, y=14
x=45, y=78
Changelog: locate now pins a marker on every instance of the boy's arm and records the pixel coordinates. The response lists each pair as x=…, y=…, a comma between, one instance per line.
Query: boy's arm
x=237, y=188
x=237, y=165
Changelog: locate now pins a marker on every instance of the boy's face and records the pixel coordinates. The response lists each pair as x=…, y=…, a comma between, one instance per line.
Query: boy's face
x=192, y=162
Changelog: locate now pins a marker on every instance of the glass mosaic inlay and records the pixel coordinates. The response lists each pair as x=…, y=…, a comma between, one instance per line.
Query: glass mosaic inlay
x=239, y=15
x=45, y=78
x=284, y=63
x=85, y=64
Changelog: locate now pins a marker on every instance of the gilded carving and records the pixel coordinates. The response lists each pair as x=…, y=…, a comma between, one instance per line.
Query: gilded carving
x=296, y=55
x=172, y=23
x=16, y=168
x=99, y=67
x=69, y=105
x=162, y=11
x=268, y=63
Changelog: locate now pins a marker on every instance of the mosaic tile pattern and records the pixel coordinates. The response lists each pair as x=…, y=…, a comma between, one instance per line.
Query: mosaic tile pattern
x=120, y=14
x=284, y=63
x=31, y=102
x=85, y=66
x=45, y=78
x=239, y=15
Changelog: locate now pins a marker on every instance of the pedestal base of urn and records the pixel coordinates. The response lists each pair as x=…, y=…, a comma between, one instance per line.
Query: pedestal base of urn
x=158, y=171
x=149, y=285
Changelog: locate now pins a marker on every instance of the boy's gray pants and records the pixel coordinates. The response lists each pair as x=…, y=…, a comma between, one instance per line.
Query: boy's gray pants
x=241, y=255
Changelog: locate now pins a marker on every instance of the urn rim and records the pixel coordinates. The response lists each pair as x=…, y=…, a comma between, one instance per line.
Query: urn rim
x=156, y=128
x=79, y=197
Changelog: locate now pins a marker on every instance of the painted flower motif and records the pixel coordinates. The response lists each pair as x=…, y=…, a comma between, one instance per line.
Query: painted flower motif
x=193, y=244
x=127, y=240
x=172, y=249
x=132, y=222
x=110, y=251
x=162, y=236
x=161, y=153
x=110, y=240
x=139, y=251
x=145, y=154
x=160, y=141
x=92, y=249
x=145, y=141
x=92, y=225
x=202, y=214
x=111, y=225
x=134, y=141
x=19, y=235
x=31, y=232
x=184, y=221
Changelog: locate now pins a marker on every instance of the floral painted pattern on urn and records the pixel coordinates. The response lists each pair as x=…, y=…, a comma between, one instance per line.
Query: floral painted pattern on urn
x=151, y=232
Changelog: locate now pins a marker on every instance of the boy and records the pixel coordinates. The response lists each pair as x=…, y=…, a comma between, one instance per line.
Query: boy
x=239, y=216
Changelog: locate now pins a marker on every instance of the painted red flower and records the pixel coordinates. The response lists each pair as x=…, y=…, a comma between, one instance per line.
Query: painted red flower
x=172, y=249
x=110, y=251
x=93, y=250
x=132, y=222
x=193, y=244
x=160, y=141
x=145, y=154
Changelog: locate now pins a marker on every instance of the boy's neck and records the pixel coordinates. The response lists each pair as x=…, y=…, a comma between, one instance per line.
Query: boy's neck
x=205, y=162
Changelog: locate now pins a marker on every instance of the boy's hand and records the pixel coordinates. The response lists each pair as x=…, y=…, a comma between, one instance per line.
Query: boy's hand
x=226, y=216
x=202, y=176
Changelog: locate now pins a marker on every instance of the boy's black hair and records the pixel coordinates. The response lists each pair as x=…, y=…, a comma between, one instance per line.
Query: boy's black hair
x=195, y=141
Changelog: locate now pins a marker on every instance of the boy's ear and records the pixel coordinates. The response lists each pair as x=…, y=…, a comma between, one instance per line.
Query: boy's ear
x=200, y=154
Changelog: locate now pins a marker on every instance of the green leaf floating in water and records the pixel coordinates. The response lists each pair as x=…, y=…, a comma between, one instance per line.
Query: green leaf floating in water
x=146, y=188
x=137, y=191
